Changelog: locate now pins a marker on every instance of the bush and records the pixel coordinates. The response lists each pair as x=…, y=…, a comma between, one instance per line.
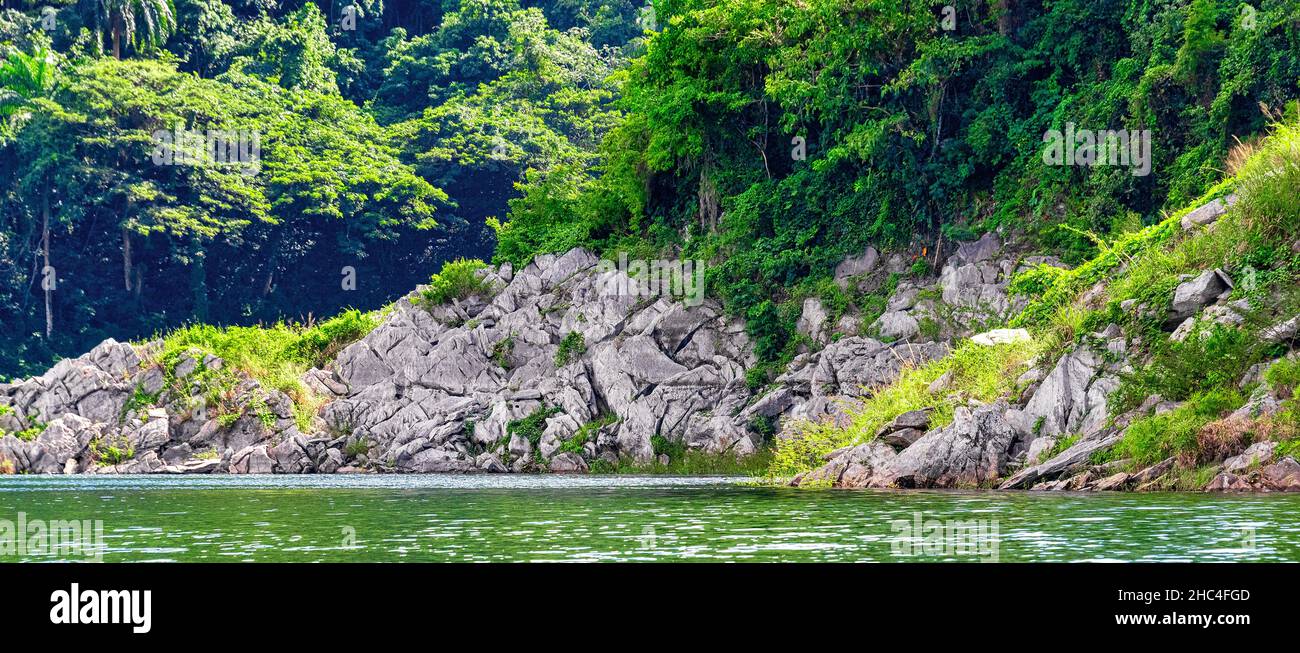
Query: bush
x=321, y=343
x=502, y=349
x=585, y=433
x=1216, y=358
x=530, y=428
x=978, y=372
x=572, y=345
x=275, y=356
x=111, y=451
x=458, y=280
x=1150, y=440
x=1284, y=376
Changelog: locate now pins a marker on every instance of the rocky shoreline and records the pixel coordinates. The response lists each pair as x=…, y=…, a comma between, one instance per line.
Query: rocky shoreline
x=554, y=373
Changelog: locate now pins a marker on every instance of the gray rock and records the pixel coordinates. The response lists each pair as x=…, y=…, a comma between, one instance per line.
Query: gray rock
x=252, y=460
x=491, y=463
x=902, y=438
x=1190, y=297
x=1254, y=455
x=153, y=435
x=1073, y=397
x=897, y=325
x=1074, y=457
x=568, y=463
x=812, y=322
x=853, y=467
x=969, y=452
x=1281, y=476
x=331, y=462
x=1184, y=330
x=1114, y=482
x=1207, y=213
x=1152, y=473
x=1282, y=331
x=856, y=266
x=1037, y=448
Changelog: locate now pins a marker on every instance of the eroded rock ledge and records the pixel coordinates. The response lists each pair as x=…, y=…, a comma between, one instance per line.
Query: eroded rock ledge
x=435, y=390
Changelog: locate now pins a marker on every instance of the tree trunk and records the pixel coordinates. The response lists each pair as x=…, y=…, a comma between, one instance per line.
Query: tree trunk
x=199, y=281
x=126, y=258
x=45, y=250
x=117, y=40
x=1003, y=8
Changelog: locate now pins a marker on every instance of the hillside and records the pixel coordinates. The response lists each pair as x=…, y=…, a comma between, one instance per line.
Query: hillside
x=926, y=247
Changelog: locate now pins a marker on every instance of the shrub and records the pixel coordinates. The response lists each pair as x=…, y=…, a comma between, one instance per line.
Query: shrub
x=1269, y=180
x=1216, y=358
x=530, y=428
x=1283, y=376
x=572, y=345
x=275, y=356
x=458, y=280
x=1152, y=439
x=32, y=432
x=978, y=372
x=111, y=451
x=321, y=343
x=358, y=447
x=502, y=349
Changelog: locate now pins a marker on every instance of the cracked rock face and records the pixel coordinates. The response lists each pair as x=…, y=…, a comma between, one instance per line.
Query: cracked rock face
x=89, y=424
x=446, y=389
x=436, y=396
x=1073, y=397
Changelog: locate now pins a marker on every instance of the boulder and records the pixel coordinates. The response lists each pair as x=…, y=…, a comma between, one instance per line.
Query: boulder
x=1074, y=457
x=852, y=467
x=1153, y=473
x=1253, y=456
x=905, y=429
x=856, y=266
x=1001, y=337
x=969, y=452
x=566, y=463
x=1281, y=476
x=154, y=434
x=1207, y=213
x=1114, y=482
x=1073, y=397
x=252, y=460
x=1225, y=482
x=812, y=322
x=896, y=325
x=1191, y=296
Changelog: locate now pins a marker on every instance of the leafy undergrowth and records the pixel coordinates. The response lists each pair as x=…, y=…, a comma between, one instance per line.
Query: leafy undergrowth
x=275, y=356
x=457, y=280
x=979, y=372
x=1181, y=432
x=1139, y=271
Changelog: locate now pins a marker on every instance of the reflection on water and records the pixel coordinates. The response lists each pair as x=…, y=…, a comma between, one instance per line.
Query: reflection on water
x=593, y=518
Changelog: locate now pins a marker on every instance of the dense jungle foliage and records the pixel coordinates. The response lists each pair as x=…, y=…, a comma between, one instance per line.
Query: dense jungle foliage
x=385, y=134
x=769, y=137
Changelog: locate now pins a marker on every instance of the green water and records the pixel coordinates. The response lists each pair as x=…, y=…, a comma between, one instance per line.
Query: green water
x=592, y=518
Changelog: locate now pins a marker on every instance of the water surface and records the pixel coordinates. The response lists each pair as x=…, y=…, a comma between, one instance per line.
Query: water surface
x=335, y=518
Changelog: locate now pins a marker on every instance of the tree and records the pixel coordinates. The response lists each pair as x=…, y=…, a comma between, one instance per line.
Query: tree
x=139, y=23
x=25, y=78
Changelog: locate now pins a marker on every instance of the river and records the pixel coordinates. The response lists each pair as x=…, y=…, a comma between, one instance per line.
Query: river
x=475, y=518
